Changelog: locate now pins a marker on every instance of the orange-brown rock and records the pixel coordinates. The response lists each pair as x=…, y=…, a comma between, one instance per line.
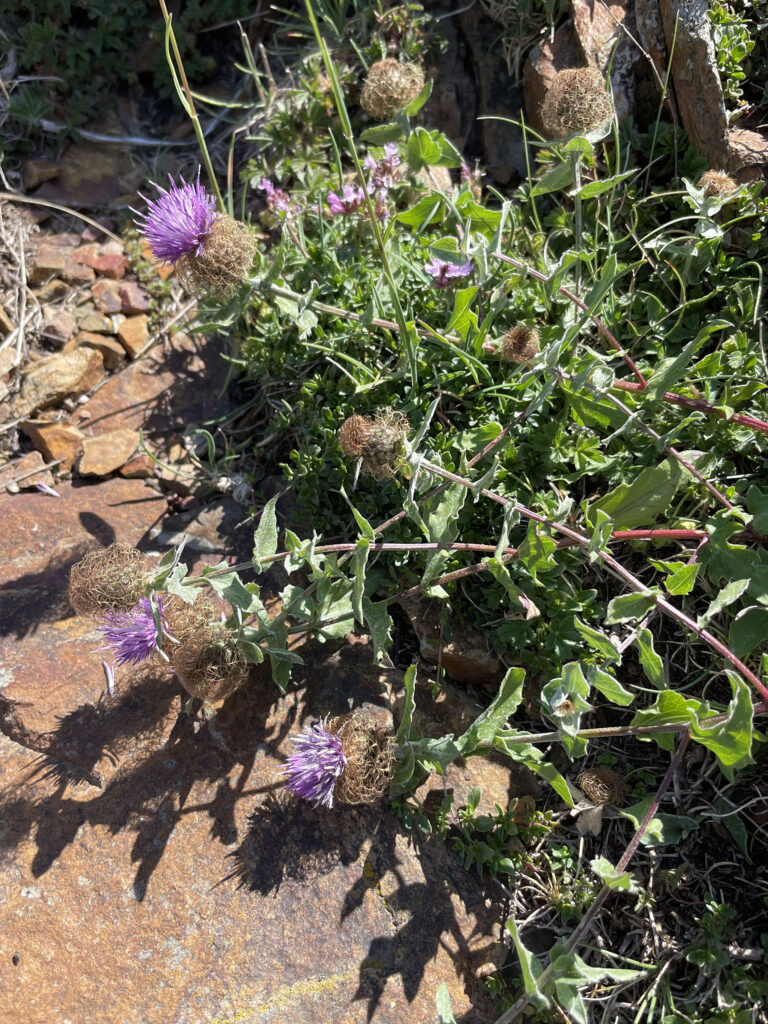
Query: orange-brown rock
x=53, y=289
x=50, y=380
x=58, y=324
x=76, y=272
x=696, y=78
x=111, y=265
x=106, y=453
x=24, y=473
x=56, y=441
x=89, y=320
x=37, y=170
x=604, y=31
x=47, y=261
x=112, y=351
x=748, y=149
x=140, y=467
x=133, y=333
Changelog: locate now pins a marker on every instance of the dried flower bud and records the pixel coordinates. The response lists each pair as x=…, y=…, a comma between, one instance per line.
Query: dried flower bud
x=209, y=663
x=576, y=104
x=390, y=87
x=717, y=184
x=378, y=443
x=222, y=263
x=603, y=786
x=370, y=758
x=520, y=344
x=112, y=579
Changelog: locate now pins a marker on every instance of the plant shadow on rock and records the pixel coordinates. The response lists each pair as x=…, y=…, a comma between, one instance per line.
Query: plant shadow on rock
x=149, y=795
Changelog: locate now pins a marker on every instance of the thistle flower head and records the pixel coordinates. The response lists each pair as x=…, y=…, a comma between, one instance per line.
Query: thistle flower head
x=112, y=579
x=717, y=184
x=603, y=785
x=378, y=444
x=132, y=635
x=370, y=756
x=520, y=344
x=222, y=263
x=445, y=274
x=178, y=223
x=209, y=663
x=390, y=87
x=576, y=104
x=316, y=764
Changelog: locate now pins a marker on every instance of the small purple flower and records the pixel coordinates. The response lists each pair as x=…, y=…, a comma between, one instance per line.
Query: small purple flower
x=278, y=201
x=316, y=764
x=383, y=172
x=132, y=635
x=349, y=202
x=179, y=221
x=445, y=274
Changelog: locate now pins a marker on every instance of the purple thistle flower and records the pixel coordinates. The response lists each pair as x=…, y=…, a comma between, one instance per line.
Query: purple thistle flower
x=445, y=274
x=179, y=221
x=317, y=762
x=132, y=635
x=349, y=202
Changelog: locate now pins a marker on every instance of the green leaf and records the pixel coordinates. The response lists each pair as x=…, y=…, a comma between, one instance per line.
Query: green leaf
x=564, y=698
x=530, y=968
x=556, y=178
x=606, y=872
x=681, y=581
x=609, y=686
x=429, y=210
x=670, y=371
x=731, y=592
x=598, y=640
x=359, y=562
x=379, y=623
x=628, y=607
x=416, y=104
x=363, y=525
x=404, y=729
x=650, y=660
x=265, y=538
x=440, y=516
x=174, y=585
x=601, y=534
x=483, y=730
x=463, y=319
x=730, y=740
x=536, y=550
x=336, y=605
x=443, y=1001
x=596, y=188
x=381, y=134
x=748, y=630
x=533, y=758
x=644, y=500
x=663, y=829
x=422, y=149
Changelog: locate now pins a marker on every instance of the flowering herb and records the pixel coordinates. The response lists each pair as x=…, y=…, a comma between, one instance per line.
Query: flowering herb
x=349, y=201
x=179, y=221
x=278, y=201
x=316, y=764
x=445, y=274
x=132, y=635
x=383, y=171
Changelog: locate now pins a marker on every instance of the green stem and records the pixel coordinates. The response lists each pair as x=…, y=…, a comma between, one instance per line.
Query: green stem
x=185, y=95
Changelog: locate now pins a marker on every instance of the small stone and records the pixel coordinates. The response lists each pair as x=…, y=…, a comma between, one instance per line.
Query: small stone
x=6, y=324
x=133, y=332
x=111, y=265
x=10, y=473
x=85, y=253
x=177, y=452
x=104, y=454
x=48, y=260
x=53, y=289
x=112, y=351
x=134, y=298
x=105, y=295
x=64, y=240
x=89, y=320
x=76, y=272
x=50, y=380
x=56, y=441
x=748, y=149
x=37, y=170
x=7, y=361
x=58, y=324
x=140, y=467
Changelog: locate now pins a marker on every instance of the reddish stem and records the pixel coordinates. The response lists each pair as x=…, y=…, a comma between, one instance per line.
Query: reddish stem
x=698, y=405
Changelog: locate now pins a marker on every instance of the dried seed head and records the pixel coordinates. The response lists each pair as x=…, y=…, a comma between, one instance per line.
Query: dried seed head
x=370, y=758
x=520, y=344
x=222, y=261
x=112, y=579
x=603, y=786
x=378, y=443
x=209, y=663
x=717, y=184
x=187, y=620
x=390, y=87
x=576, y=103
